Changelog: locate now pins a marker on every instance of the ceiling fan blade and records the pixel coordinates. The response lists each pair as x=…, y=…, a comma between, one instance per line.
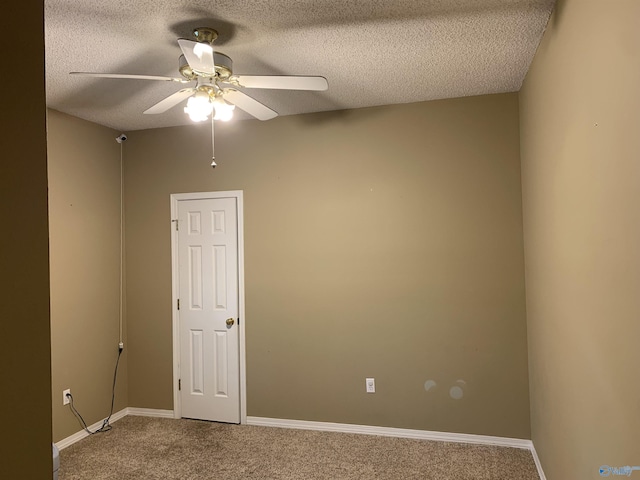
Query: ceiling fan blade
x=134, y=77
x=283, y=82
x=171, y=101
x=249, y=105
x=199, y=56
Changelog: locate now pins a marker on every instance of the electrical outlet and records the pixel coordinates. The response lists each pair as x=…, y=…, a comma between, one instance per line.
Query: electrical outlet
x=371, y=385
x=65, y=399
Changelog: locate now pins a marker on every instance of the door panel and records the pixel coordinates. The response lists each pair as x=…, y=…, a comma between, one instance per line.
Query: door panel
x=208, y=289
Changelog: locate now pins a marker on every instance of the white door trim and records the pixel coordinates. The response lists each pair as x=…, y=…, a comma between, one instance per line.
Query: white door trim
x=175, y=198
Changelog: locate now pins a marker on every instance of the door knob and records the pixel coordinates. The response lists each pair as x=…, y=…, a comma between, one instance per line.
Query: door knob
x=230, y=322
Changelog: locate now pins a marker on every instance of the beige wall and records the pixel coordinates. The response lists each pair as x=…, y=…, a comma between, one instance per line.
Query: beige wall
x=580, y=119
x=25, y=404
x=382, y=242
x=84, y=223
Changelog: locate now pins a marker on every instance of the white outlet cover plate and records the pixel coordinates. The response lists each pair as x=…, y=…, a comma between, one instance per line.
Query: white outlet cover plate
x=371, y=385
x=65, y=400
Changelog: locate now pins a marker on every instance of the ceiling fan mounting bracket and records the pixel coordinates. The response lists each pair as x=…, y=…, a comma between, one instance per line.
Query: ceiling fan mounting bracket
x=205, y=34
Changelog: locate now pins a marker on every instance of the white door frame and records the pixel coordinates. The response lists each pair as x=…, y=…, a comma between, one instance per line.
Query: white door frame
x=175, y=198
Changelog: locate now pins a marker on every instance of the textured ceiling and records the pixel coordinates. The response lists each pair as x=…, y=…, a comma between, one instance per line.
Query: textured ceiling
x=372, y=52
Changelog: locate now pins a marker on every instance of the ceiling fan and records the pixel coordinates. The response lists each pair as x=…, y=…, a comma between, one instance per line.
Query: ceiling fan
x=217, y=88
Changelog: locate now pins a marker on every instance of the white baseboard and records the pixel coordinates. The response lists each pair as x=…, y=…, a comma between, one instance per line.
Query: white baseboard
x=538, y=464
x=149, y=412
x=140, y=412
x=402, y=433
x=76, y=437
x=392, y=432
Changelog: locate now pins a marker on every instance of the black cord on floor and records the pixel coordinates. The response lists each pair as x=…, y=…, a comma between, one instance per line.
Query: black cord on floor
x=105, y=424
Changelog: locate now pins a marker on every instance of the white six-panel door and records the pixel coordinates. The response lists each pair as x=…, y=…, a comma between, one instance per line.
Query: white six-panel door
x=207, y=251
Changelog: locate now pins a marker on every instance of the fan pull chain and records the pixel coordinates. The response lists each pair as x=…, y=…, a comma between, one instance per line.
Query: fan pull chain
x=213, y=154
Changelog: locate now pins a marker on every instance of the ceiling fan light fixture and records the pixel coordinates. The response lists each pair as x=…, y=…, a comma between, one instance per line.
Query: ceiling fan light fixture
x=224, y=110
x=199, y=107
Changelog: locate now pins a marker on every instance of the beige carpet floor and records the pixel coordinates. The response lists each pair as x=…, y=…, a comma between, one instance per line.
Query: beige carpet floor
x=157, y=448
